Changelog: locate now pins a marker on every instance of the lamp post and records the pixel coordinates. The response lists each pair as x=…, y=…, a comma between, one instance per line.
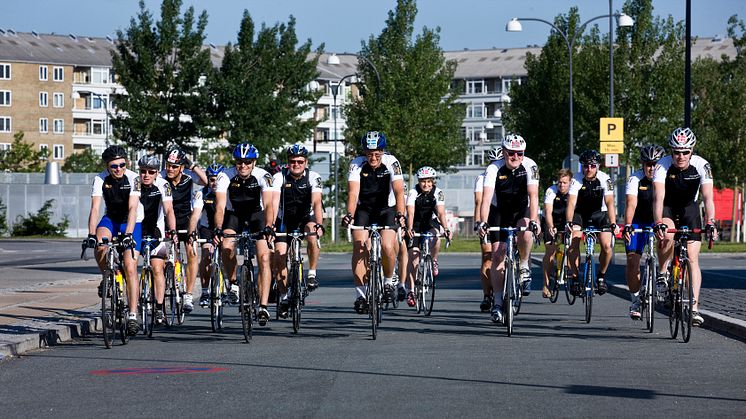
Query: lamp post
x=514, y=25
x=334, y=60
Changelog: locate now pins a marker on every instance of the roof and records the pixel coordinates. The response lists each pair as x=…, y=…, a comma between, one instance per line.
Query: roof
x=55, y=49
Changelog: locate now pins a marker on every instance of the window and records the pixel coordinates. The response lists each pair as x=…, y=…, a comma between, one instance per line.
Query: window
x=43, y=99
x=4, y=71
x=98, y=127
x=474, y=87
x=59, y=151
x=99, y=75
x=59, y=73
x=43, y=125
x=59, y=126
x=475, y=110
x=4, y=97
x=4, y=124
x=43, y=73
x=97, y=102
x=44, y=149
x=59, y=100
x=4, y=146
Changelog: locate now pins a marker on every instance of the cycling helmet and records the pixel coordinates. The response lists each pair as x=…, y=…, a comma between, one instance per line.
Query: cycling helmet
x=682, y=138
x=176, y=156
x=215, y=169
x=150, y=161
x=514, y=142
x=651, y=153
x=495, y=154
x=426, y=172
x=590, y=157
x=114, y=152
x=373, y=140
x=297, y=150
x=245, y=151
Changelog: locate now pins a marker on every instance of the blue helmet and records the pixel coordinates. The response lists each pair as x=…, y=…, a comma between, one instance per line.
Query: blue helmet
x=373, y=140
x=297, y=150
x=245, y=151
x=215, y=169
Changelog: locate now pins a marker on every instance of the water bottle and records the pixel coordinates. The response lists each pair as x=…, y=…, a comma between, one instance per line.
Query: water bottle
x=119, y=279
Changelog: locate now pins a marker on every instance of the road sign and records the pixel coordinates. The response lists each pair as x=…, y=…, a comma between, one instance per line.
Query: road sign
x=612, y=160
x=611, y=129
x=612, y=147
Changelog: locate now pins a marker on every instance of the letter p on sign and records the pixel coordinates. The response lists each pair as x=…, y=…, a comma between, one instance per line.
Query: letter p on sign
x=612, y=129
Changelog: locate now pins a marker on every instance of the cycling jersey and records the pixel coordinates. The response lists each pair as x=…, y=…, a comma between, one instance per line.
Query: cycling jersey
x=591, y=193
x=425, y=207
x=182, y=194
x=295, y=194
x=204, y=200
x=682, y=186
x=479, y=182
x=151, y=199
x=116, y=194
x=244, y=196
x=376, y=185
x=640, y=186
x=559, y=204
x=511, y=186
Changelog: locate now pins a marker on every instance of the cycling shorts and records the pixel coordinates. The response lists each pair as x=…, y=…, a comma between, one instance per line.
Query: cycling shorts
x=290, y=224
x=119, y=228
x=687, y=216
x=638, y=241
x=598, y=219
x=380, y=216
x=254, y=223
x=504, y=217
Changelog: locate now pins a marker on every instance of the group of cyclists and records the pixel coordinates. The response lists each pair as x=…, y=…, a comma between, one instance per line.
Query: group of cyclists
x=184, y=202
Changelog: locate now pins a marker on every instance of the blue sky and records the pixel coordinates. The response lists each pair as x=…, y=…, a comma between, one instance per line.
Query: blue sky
x=343, y=24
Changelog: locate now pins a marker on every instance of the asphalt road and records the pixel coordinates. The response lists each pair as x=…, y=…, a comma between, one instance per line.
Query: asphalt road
x=455, y=363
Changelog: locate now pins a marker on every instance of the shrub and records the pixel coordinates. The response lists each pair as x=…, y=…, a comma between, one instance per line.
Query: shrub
x=39, y=225
x=3, y=222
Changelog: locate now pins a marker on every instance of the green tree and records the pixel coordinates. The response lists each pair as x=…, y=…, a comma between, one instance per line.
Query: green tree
x=39, y=224
x=86, y=161
x=21, y=157
x=3, y=218
x=261, y=89
x=415, y=104
x=161, y=65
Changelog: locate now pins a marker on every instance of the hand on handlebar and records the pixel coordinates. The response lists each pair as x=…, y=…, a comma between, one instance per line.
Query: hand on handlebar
x=347, y=219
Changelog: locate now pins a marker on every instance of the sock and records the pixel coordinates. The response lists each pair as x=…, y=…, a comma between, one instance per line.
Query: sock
x=361, y=290
x=499, y=299
x=284, y=296
x=388, y=281
x=205, y=290
x=132, y=316
x=524, y=264
x=400, y=285
x=312, y=272
x=634, y=296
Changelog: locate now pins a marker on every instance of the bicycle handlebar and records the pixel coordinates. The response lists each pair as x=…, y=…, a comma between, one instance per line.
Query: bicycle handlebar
x=448, y=241
x=686, y=231
x=373, y=227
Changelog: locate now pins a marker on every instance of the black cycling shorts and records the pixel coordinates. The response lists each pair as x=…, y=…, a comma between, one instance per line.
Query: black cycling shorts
x=254, y=223
x=598, y=219
x=505, y=217
x=380, y=216
x=206, y=233
x=687, y=216
x=290, y=224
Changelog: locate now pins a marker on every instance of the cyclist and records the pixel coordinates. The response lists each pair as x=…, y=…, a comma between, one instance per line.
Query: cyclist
x=299, y=208
x=510, y=198
x=203, y=222
x=639, y=214
x=591, y=197
x=402, y=259
x=555, y=206
x=375, y=196
x=486, y=304
x=425, y=213
x=676, y=183
x=240, y=196
x=118, y=188
x=182, y=174
x=157, y=202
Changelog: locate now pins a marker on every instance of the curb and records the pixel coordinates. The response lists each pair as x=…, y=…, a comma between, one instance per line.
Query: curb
x=43, y=334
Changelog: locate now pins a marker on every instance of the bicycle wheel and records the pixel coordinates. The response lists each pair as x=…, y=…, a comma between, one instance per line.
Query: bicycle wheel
x=419, y=288
x=648, y=297
x=673, y=302
x=142, y=303
x=297, y=297
x=147, y=293
x=589, y=289
x=687, y=301
x=554, y=278
x=246, y=300
x=373, y=298
x=108, y=307
x=216, y=306
x=122, y=304
x=517, y=287
x=169, y=297
x=428, y=286
x=508, y=296
x=178, y=295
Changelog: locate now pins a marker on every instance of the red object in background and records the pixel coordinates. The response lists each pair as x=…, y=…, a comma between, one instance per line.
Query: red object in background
x=724, y=205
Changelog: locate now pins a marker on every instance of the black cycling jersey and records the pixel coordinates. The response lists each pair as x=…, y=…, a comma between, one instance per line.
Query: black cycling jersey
x=681, y=186
x=295, y=195
x=424, y=206
x=511, y=187
x=590, y=196
x=208, y=198
x=245, y=195
x=151, y=199
x=182, y=192
x=644, y=209
x=375, y=186
x=116, y=193
x=559, y=208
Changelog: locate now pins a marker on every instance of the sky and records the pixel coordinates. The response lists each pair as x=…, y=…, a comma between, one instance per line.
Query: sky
x=342, y=24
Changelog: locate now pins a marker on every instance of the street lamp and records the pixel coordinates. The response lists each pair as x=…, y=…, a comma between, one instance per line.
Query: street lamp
x=514, y=25
x=334, y=60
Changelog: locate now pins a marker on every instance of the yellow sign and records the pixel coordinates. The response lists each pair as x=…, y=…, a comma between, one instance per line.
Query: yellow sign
x=611, y=129
x=612, y=147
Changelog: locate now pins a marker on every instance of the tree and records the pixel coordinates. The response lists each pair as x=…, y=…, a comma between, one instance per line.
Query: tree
x=86, y=161
x=21, y=157
x=3, y=218
x=161, y=65
x=415, y=104
x=261, y=89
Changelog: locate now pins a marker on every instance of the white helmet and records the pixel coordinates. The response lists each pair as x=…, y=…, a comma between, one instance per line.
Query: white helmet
x=682, y=138
x=514, y=142
x=426, y=172
x=495, y=154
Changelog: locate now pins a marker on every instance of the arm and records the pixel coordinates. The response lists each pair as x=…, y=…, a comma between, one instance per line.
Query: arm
x=611, y=211
x=659, y=194
x=487, y=194
x=353, y=191
x=398, y=186
x=441, y=209
x=477, y=206
x=318, y=212
x=134, y=201
x=709, y=201
x=168, y=209
x=93, y=217
x=629, y=212
x=220, y=201
x=270, y=211
x=548, y=208
x=570, y=211
x=194, y=218
x=201, y=175
x=533, y=203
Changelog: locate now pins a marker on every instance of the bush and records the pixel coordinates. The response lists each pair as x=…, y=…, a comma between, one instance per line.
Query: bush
x=39, y=225
x=86, y=161
x=3, y=214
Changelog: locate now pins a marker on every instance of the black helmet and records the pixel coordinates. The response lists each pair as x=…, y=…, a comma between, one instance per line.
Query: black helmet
x=590, y=157
x=149, y=161
x=176, y=156
x=113, y=152
x=651, y=153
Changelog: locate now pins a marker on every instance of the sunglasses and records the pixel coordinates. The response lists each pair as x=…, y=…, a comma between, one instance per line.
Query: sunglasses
x=681, y=152
x=149, y=172
x=590, y=166
x=118, y=166
x=298, y=162
x=245, y=162
x=649, y=164
x=174, y=166
x=513, y=153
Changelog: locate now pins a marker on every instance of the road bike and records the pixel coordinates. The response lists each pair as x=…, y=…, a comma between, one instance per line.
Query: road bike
x=114, y=303
x=217, y=286
x=424, y=282
x=174, y=293
x=374, y=293
x=147, y=301
x=589, y=285
x=648, y=272
x=297, y=282
x=248, y=295
x=558, y=270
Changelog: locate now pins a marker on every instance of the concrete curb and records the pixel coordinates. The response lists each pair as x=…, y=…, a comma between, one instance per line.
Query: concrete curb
x=41, y=334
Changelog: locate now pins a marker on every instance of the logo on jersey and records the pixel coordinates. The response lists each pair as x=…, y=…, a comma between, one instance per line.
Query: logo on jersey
x=441, y=196
x=138, y=185
x=609, y=185
x=708, y=171
x=268, y=179
x=502, y=177
x=535, y=172
x=167, y=189
x=643, y=188
x=397, y=168
x=318, y=182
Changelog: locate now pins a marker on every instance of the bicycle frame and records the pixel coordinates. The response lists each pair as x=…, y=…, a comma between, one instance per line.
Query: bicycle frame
x=511, y=281
x=647, y=279
x=296, y=280
x=589, y=270
x=425, y=280
x=248, y=292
